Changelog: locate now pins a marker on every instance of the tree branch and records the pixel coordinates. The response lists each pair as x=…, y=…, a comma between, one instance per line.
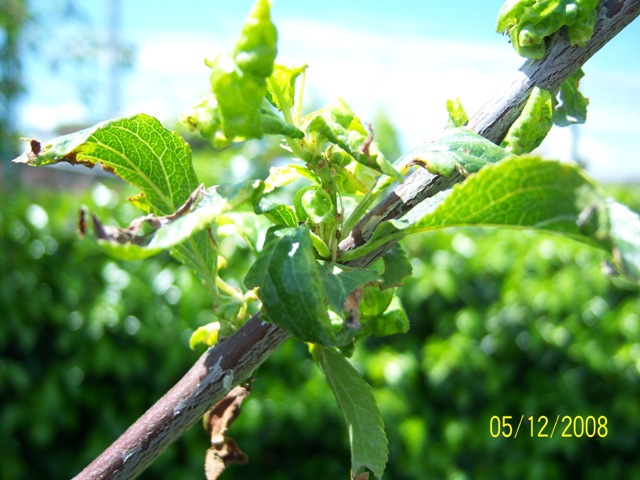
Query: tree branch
x=495, y=117
x=231, y=362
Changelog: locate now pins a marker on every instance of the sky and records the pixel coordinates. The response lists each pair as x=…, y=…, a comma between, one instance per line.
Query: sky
x=404, y=57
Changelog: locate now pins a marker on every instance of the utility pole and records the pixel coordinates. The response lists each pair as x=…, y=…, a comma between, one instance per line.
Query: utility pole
x=114, y=59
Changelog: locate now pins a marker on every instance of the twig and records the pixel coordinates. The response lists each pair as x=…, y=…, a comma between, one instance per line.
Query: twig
x=231, y=362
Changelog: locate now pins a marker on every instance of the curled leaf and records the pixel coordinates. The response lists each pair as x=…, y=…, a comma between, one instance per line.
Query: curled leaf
x=533, y=124
x=455, y=148
x=530, y=22
x=198, y=213
x=224, y=450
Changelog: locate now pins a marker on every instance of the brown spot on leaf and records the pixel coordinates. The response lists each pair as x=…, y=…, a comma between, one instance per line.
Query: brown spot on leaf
x=224, y=449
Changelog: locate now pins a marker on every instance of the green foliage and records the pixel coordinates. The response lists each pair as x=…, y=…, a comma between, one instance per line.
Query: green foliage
x=530, y=22
x=88, y=343
x=366, y=431
x=489, y=310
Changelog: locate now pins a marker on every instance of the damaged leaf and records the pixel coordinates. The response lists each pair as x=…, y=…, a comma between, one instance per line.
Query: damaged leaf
x=217, y=421
x=533, y=124
x=198, y=213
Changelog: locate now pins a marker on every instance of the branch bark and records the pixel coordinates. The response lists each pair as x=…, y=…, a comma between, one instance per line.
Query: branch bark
x=231, y=362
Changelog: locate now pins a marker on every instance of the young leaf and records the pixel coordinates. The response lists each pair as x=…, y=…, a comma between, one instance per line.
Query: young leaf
x=533, y=124
x=457, y=116
x=239, y=85
x=278, y=213
x=455, y=148
x=369, y=446
x=206, y=334
x=285, y=79
x=281, y=176
x=571, y=106
x=397, y=267
x=339, y=125
x=339, y=281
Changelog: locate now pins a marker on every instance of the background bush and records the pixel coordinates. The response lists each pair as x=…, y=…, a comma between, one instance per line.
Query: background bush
x=503, y=323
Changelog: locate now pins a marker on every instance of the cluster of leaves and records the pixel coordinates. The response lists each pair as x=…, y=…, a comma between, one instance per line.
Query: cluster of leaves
x=300, y=275
x=530, y=22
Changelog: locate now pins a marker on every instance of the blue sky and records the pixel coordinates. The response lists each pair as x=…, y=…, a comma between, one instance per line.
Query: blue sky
x=406, y=57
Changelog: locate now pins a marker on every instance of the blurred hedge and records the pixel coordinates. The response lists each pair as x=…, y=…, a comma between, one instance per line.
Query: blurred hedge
x=503, y=323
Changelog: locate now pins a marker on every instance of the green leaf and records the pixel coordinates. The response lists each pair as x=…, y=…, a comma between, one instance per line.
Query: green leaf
x=369, y=446
x=137, y=149
x=239, y=85
x=530, y=22
x=256, y=48
x=278, y=213
x=290, y=286
x=521, y=192
x=571, y=106
x=206, y=335
x=397, y=267
x=386, y=317
x=582, y=28
x=457, y=115
x=455, y=148
x=285, y=80
x=533, y=124
x=339, y=281
x=296, y=290
x=199, y=213
x=272, y=124
x=317, y=205
x=281, y=176
x=141, y=151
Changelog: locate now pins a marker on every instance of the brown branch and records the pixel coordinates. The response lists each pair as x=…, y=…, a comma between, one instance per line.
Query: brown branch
x=232, y=361
x=493, y=120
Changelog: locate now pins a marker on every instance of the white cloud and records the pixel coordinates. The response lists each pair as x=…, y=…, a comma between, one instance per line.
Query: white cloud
x=410, y=77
